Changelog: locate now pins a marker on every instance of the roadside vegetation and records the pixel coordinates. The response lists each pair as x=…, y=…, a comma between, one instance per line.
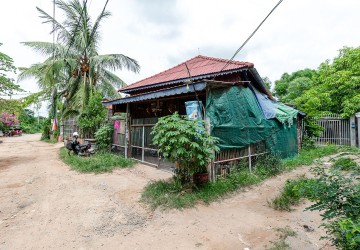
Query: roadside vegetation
x=335, y=192
x=175, y=194
x=97, y=163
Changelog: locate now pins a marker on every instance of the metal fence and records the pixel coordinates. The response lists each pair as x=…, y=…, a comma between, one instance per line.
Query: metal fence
x=68, y=127
x=336, y=130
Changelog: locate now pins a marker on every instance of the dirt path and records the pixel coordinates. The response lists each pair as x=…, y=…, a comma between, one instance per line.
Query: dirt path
x=44, y=205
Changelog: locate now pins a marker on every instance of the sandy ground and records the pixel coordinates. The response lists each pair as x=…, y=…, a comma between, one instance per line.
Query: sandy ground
x=45, y=205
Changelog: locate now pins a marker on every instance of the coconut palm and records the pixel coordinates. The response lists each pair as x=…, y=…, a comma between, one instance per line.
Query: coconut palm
x=74, y=69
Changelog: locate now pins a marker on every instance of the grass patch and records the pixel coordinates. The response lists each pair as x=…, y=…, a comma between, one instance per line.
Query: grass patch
x=291, y=194
x=306, y=157
x=171, y=194
x=52, y=141
x=345, y=164
x=97, y=163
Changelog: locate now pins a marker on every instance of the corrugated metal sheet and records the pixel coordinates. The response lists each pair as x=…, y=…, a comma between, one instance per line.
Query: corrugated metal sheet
x=199, y=66
x=158, y=94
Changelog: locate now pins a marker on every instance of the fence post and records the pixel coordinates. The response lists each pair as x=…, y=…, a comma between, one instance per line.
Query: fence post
x=127, y=127
x=357, y=115
x=250, y=164
x=352, y=131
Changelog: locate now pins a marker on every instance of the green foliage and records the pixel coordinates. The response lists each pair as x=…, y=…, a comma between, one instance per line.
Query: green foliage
x=268, y=165
x=104, y=137
x=80, y=66
x=345, y=164
x=93, y=116
x=291, y=194
x=12, y=106
x=46, y=129
x=289, y=87
x=338, y=197
x=174, y=194
x=333, y=88
x=185, y=142
x=7, y=85
x=306, y=157
x=29, y=124
x=97, y=163
x=308, y=143
x=346, y=233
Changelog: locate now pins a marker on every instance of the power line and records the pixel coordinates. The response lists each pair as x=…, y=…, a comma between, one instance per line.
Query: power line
x=252, y=34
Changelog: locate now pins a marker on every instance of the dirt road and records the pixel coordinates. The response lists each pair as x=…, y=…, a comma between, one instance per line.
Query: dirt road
x=45, y=205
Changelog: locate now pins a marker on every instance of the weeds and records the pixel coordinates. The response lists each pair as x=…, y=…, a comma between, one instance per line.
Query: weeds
x=284, y=234
x=97, y=163
x=345, y=164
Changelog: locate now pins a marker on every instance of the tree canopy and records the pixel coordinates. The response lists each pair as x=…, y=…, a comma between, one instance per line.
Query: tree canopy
x=333, y=88
x=7, y=85
x=74, y=69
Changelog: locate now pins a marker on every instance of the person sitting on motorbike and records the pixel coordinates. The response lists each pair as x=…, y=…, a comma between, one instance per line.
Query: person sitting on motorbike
x=75, y=143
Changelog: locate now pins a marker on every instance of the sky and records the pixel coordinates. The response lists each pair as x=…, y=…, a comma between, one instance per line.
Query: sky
x=160, y=34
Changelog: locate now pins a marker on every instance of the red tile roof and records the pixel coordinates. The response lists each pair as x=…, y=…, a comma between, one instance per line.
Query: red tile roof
x=199, y=65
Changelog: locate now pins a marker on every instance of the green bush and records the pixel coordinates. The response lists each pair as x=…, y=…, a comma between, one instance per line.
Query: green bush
x=268, y=165
x=104, y=137
x=92, y=117
x=338, y=197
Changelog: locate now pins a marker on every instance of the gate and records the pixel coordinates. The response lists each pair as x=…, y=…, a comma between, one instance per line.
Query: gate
x=336, y=130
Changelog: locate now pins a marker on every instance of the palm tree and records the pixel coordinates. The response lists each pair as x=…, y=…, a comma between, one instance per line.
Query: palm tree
x=74, y=69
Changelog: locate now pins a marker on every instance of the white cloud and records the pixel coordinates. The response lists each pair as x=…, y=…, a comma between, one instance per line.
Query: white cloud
x=162, y=34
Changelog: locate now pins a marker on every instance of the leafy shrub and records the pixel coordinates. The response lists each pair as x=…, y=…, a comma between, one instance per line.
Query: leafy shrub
x=185, y=142
x=103, y=137
x=308, y=143
x=339, y=197
x=268, y=165
x=92, y=117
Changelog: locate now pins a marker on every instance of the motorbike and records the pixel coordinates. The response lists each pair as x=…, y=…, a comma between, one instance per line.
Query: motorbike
x=80, y=149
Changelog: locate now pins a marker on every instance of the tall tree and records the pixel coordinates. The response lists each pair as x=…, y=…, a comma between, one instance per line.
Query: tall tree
x=336, y=89
x=291, y=86
x=74, y=69
x=7, y=85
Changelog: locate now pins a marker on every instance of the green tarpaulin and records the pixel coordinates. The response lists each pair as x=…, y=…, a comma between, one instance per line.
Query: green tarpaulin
x=237, y=119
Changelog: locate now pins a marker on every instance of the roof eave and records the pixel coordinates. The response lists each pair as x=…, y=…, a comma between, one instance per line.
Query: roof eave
x=199, y=77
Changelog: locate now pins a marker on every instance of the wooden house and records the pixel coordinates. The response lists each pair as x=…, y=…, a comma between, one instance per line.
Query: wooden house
x=234, y=101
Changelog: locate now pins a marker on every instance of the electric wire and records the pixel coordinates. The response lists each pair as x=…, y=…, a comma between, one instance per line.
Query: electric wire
x=246, y=41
